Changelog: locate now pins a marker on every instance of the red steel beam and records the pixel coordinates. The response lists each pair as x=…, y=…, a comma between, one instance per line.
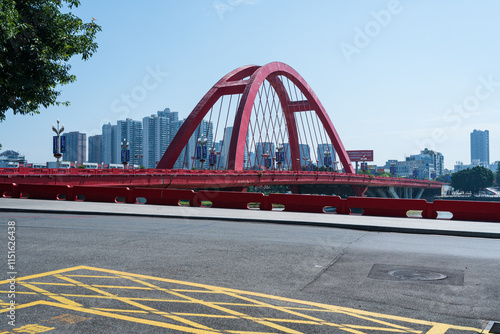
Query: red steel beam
x=191, y=179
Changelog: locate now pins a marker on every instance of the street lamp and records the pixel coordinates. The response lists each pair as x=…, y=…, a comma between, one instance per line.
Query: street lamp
x=280, y=156
x=415, y=172
x=305, y=162
x=57, y=149
x=125, y=153
x=393, y=169
x=140, y=156
x=328, y=160
x=364, y=165
x=265, y=157
x=212, y=159
x=202, y=154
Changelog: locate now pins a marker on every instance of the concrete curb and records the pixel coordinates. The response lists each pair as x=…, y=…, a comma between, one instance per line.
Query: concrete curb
x=353, y=222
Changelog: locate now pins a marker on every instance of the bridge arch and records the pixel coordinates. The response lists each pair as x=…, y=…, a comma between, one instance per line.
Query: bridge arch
x=247, y=80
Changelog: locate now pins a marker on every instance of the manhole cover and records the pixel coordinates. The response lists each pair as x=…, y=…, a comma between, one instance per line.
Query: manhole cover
x=417, y=275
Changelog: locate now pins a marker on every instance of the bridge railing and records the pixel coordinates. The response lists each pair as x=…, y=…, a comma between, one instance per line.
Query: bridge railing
x=458, y=210
x=354, y=178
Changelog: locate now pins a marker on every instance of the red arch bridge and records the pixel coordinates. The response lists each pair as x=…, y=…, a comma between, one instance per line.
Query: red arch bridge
x=257, y=126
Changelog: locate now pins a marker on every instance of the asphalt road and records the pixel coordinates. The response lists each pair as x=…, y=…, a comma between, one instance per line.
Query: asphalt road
x=111, y=274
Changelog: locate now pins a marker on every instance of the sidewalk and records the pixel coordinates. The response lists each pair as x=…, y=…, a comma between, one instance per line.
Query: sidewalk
x=366, y=223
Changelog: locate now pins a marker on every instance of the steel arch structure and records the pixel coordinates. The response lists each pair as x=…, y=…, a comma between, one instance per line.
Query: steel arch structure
x=247, y=80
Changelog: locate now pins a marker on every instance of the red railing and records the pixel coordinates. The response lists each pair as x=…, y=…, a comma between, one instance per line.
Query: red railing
x=460, y=210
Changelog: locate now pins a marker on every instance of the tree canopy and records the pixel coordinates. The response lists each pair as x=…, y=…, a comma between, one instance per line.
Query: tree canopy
x=472, y=179
x=497, y=176
x=37, y=39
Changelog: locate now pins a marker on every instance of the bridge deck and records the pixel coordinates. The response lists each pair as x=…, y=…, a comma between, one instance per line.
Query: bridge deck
x=190, y=179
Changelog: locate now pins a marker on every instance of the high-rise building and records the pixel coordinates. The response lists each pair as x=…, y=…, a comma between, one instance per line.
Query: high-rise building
x=156, y=137
x=480, y=147
x=76, y=147
x=129, y=131
x=109, y=144
x=95, y=149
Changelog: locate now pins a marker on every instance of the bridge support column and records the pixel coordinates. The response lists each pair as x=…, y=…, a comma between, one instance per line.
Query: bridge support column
x=381, y=192
x=419, y=194
x=359, y=191
x=393, y=192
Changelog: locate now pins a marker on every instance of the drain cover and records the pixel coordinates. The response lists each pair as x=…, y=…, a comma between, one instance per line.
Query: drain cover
x=417, y=275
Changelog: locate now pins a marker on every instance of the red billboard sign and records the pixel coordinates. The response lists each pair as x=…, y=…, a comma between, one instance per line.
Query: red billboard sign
x=366, y=155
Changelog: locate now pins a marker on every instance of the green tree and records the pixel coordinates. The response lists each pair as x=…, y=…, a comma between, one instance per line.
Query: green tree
x=497, y=176
x=472, y=179
x=37, y=39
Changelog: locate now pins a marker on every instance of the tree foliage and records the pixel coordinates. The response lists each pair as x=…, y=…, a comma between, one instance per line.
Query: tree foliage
x=37, y=39
x=472, y=179
x=497, y=176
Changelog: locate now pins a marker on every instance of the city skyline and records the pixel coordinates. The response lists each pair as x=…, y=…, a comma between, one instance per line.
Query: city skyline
x=388, y=82
x=128, y=128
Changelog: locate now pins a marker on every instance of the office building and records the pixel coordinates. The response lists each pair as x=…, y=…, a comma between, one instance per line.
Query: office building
x=428, y=164
x=95, y=149
x=109, y=140
x=156, y=137
x=480, y=148
x=75, y=147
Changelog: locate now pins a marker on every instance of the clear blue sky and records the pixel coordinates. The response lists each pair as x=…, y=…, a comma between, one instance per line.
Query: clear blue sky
x=419, y=74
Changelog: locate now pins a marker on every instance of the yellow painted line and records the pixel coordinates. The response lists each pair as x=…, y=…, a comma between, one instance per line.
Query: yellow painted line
x=136, y=304
x=21, y=306
x=317, y=321
x=246, y=332
x=44, y=283
x=120, y=287
x=381, y=322
x=294, y=321
x=86, y=286
x=206, y=315
x=195, y=291
x=128, y=298
x=439, y=329
x=130, y=319
x=55, y=296
x=48, y=273
x=376, y=318
x=21, y=292
x=92, y=276
x=119, y=310
x=383, y=329
x=226, y=310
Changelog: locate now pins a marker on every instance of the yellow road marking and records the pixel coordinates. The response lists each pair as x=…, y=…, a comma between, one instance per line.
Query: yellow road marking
x=136, y=304
x=317, y=313
x=121, y=287
x=119, y=310
x=45, y=283
x=50, y=294
x=217, y=307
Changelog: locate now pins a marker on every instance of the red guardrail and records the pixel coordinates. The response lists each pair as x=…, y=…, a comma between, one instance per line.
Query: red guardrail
x=461, y=210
